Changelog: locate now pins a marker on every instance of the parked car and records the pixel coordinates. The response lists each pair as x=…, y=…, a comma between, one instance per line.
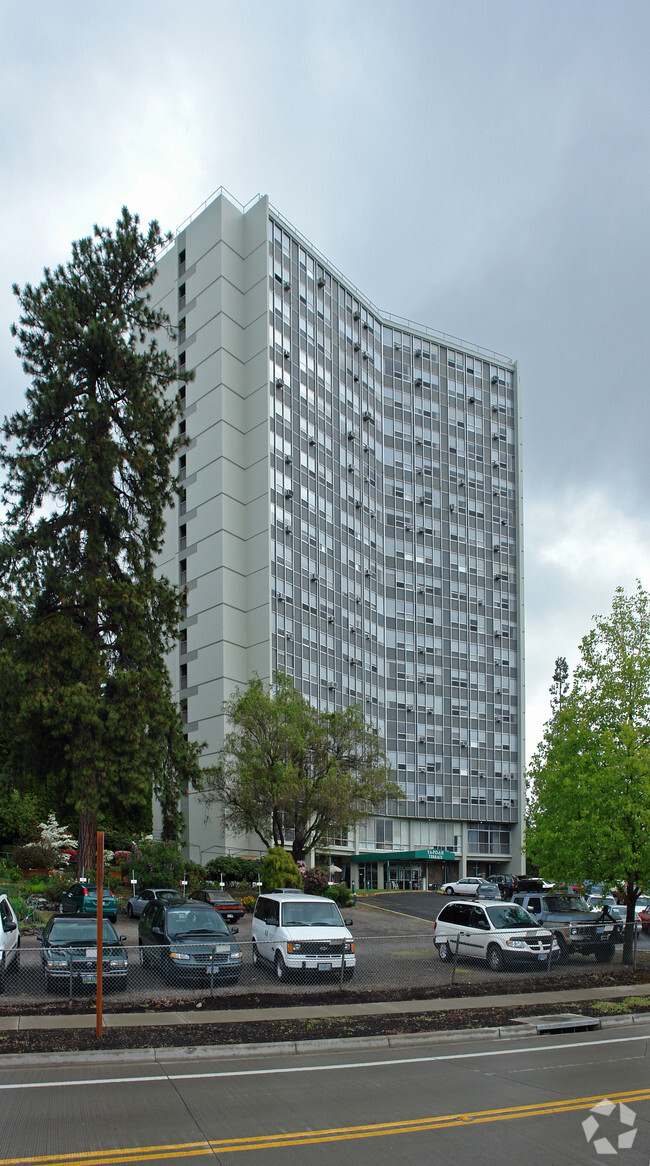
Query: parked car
x=616, y=910
x=500, y=933
x=137, y=903
x=479, y=888
x=506, y=884
x=293, y=932
x=642, y=904
x=70, y=948
x=9, y=940
x=644, y=918
x=222, y=902
x=81, y=899
x=576, y=928
x=188, y=941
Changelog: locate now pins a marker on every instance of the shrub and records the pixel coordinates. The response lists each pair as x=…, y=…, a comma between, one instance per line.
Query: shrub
x=20, y=906
x=156, y=864
x=279, y=870
x=340, y=893
x=195, y=875
x=233, y=870
x=55, y=885
x=36, y=856
x=248, y=903
x=10, y=874
x=314, y=880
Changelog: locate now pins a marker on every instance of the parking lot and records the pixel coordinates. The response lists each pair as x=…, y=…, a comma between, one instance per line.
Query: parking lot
x=394, y=951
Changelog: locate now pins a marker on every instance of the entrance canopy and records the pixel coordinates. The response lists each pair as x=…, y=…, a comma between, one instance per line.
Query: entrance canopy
x=434, y=853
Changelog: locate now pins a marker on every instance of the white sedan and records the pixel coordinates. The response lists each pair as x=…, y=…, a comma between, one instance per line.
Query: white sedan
x=472, y=885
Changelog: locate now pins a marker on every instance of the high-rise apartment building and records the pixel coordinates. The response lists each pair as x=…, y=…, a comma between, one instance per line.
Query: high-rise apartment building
x=352, y=517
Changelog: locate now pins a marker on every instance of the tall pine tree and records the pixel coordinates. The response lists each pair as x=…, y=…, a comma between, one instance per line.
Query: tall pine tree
x=86, y=621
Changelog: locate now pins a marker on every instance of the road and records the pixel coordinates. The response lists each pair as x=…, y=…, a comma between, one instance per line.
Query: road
x=476, y=1101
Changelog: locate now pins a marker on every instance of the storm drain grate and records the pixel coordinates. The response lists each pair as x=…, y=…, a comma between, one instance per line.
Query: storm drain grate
x=561, y=1022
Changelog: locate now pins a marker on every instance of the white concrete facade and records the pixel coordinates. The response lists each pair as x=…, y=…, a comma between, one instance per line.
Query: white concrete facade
x=353, y=518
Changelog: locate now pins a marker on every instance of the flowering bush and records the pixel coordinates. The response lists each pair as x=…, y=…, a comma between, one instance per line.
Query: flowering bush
x=248, y=903
x=314, y=881
x=57, y=838
x=155, y=864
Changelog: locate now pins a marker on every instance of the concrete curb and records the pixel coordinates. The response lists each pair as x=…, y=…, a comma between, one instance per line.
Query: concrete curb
x=290, y=1048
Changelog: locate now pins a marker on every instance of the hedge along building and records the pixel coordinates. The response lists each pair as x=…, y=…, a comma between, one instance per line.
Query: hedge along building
x=352, y=517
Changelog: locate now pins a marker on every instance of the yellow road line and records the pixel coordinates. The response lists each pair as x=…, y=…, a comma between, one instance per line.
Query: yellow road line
x=314, y=1137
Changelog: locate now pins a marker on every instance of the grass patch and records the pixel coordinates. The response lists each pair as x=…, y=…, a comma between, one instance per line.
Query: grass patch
x=627, y=1004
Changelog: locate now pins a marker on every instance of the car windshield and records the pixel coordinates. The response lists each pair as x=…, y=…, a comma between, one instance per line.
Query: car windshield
x=193, y=922
x=565, y=903
x=509, y=915
x=65, y=932
x=311, y=915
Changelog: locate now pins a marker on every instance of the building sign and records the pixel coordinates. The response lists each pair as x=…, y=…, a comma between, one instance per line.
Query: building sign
x=433, y=854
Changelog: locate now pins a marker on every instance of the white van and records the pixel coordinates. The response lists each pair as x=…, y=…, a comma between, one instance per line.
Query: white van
x=9, y=940
x=294, y=932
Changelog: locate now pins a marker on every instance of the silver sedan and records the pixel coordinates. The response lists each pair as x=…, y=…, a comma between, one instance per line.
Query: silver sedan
x=473, y=885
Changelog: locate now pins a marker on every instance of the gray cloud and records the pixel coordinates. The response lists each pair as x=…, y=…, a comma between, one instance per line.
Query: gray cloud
x=482, y=168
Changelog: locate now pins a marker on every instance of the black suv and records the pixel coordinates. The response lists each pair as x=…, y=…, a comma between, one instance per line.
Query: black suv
x=188, y=941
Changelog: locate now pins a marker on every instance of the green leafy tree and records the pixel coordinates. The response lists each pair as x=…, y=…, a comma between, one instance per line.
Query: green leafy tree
x=589, y=811
x=86, y=621
x=279, y=869
x=561, y=685
x=289, y=772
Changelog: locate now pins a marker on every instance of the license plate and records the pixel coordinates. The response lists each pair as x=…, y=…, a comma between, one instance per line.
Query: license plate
x=323, y=967
x=91, y=953
x=603, y=932
x=89, y=979
x=542, y=956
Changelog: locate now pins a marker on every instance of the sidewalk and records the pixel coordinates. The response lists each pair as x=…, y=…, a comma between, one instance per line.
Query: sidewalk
x=369, y=1008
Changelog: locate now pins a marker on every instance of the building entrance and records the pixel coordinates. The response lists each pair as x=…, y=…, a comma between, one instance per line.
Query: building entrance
x=404, y=878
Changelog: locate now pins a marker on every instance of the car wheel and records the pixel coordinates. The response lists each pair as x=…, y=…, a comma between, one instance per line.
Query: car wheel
x=3, y=982
x=449, y=890
x=443, y=952
x=129, y=910
x=280, y=967
x=15, y=963
x=144, y=958
x=495, y=958
x=348, y=973
x=49, y=983
x=256, y=955
x=605, y=954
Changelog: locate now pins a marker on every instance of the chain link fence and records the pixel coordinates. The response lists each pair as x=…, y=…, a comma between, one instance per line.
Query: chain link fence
x=408, y=963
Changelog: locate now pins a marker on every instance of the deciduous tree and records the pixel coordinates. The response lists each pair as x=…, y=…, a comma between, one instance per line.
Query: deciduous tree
x=589, y=811
x=289, y=772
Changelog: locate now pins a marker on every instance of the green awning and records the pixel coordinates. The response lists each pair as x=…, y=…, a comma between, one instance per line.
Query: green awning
x=433, y=854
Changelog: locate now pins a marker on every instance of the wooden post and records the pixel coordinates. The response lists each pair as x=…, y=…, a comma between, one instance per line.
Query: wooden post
x=100, y=929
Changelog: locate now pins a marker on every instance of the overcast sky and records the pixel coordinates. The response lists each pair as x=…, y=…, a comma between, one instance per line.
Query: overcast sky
x=480, y=166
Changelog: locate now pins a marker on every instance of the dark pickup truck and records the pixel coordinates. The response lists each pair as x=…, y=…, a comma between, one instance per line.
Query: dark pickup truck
x=576, y=928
